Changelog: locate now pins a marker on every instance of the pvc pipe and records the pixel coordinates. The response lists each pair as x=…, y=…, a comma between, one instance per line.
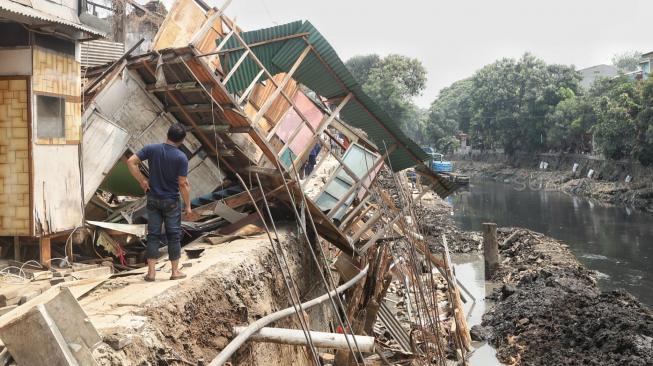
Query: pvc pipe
x=320, y=339
x=242, y=337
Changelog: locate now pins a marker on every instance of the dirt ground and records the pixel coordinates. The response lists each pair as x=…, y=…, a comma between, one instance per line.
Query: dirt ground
x=168, y=323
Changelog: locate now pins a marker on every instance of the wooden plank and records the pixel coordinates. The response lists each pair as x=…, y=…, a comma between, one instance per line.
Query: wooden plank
x=189, y=86
x=17, y=248
x=235, y=67
x=190, y=108
x=45, y=251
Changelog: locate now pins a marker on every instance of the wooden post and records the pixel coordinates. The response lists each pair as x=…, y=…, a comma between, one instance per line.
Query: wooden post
x=17, y=248
x=44, y=245
x=490, y=249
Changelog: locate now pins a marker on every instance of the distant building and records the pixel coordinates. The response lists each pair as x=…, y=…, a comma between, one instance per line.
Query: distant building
x=645, y=65
x=590, y=74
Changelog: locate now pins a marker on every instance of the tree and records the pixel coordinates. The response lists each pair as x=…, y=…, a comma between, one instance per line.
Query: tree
x=392, y=82
x=570, y=124
x=511, y=99
x=617, y=106
x=360, y=66
x=643, y=147
x=627, y=61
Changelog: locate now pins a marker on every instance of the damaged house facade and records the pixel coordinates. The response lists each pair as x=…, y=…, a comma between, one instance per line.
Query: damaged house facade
x=41, y=116
x=279, y=131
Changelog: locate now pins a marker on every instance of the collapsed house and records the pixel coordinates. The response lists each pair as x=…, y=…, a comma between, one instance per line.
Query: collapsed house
x=278, y=130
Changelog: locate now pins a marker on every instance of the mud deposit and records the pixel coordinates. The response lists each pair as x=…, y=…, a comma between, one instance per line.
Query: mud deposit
x=550, y=311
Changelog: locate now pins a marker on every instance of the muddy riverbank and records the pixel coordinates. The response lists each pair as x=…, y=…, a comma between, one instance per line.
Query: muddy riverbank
x=548, y=308
x=609, y=184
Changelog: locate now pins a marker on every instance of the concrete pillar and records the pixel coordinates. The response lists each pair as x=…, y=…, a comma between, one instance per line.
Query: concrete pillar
x=490, y=249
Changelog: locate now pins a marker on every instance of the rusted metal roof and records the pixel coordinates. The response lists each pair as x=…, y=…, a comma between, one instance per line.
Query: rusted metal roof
x=16, y=11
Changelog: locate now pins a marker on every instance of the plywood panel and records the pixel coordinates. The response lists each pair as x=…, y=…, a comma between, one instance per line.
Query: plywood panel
x=184, y=19
x=57, y=188
x=104, y=143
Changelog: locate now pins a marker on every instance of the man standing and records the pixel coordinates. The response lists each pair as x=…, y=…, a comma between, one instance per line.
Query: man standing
x=168, y=167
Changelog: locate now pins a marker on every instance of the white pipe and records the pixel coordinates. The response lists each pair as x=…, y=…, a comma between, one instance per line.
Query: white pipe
x=242, y=337
x=320, y=339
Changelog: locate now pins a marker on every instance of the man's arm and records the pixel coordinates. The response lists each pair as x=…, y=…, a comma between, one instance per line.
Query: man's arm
x=133, y=163
x=184, y=189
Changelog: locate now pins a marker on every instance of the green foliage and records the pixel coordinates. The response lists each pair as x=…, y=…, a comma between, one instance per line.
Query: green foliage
x=643, y=149
x=627, y=61
x=392, y=82
x=511, y=99
x=616, y=105
x=569, y=125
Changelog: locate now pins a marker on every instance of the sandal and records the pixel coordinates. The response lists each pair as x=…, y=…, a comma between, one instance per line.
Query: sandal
x=179, y=277
x=148, y=278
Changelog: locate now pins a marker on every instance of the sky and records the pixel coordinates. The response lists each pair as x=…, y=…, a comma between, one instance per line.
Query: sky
x=454, y=38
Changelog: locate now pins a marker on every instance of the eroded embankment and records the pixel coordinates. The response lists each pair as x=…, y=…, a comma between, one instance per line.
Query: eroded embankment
x=608, y=183
x=549, y=309
x=231, y=284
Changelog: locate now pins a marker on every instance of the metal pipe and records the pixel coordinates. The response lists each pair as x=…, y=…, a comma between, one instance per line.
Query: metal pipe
x=233, y=346
x=320, y=339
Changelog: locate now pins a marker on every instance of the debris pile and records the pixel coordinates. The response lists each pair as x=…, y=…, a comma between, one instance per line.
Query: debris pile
x=279, y=134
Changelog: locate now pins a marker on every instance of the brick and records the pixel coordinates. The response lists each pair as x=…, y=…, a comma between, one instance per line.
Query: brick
x=17, y=85
x=10, y=212
x=23, y=178
x=4, y=84
x=19, y=132
x=21, y=188
x=22, y=213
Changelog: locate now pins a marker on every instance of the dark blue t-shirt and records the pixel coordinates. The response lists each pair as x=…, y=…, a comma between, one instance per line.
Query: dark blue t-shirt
x=167, y=163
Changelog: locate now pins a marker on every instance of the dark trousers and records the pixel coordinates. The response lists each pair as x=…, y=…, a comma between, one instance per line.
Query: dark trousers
x=163, y=211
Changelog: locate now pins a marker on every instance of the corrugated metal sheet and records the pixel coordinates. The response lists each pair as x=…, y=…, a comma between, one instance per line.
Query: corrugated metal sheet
x=29, y=12
x=95, y=53
x=248, y=69
x=332, y=81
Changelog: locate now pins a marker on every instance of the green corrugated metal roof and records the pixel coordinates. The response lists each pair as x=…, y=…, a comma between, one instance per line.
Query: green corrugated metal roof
x=332, y=81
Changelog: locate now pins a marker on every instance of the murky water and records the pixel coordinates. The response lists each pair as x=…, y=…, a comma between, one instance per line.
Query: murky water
x=615, y=241
x=469, y=270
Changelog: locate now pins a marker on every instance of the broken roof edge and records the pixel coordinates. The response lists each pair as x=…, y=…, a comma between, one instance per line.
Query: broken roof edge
x=278, y=49
x=23, y=12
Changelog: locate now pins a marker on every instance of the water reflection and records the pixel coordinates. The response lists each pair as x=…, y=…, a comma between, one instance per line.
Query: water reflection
x=615, y=241
x=469, y=269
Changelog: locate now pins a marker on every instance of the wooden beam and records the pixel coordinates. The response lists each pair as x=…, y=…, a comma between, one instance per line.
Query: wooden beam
x=280, y=86
x=250, y=87
x=322, y=126
x=377, y=215
x=190, y=108
x=208, y=143
x=17, y=248
x=45, y=251
x=190, y=86
x=235, y=68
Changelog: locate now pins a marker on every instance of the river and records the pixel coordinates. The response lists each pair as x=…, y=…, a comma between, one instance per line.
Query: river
x=617, y=242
